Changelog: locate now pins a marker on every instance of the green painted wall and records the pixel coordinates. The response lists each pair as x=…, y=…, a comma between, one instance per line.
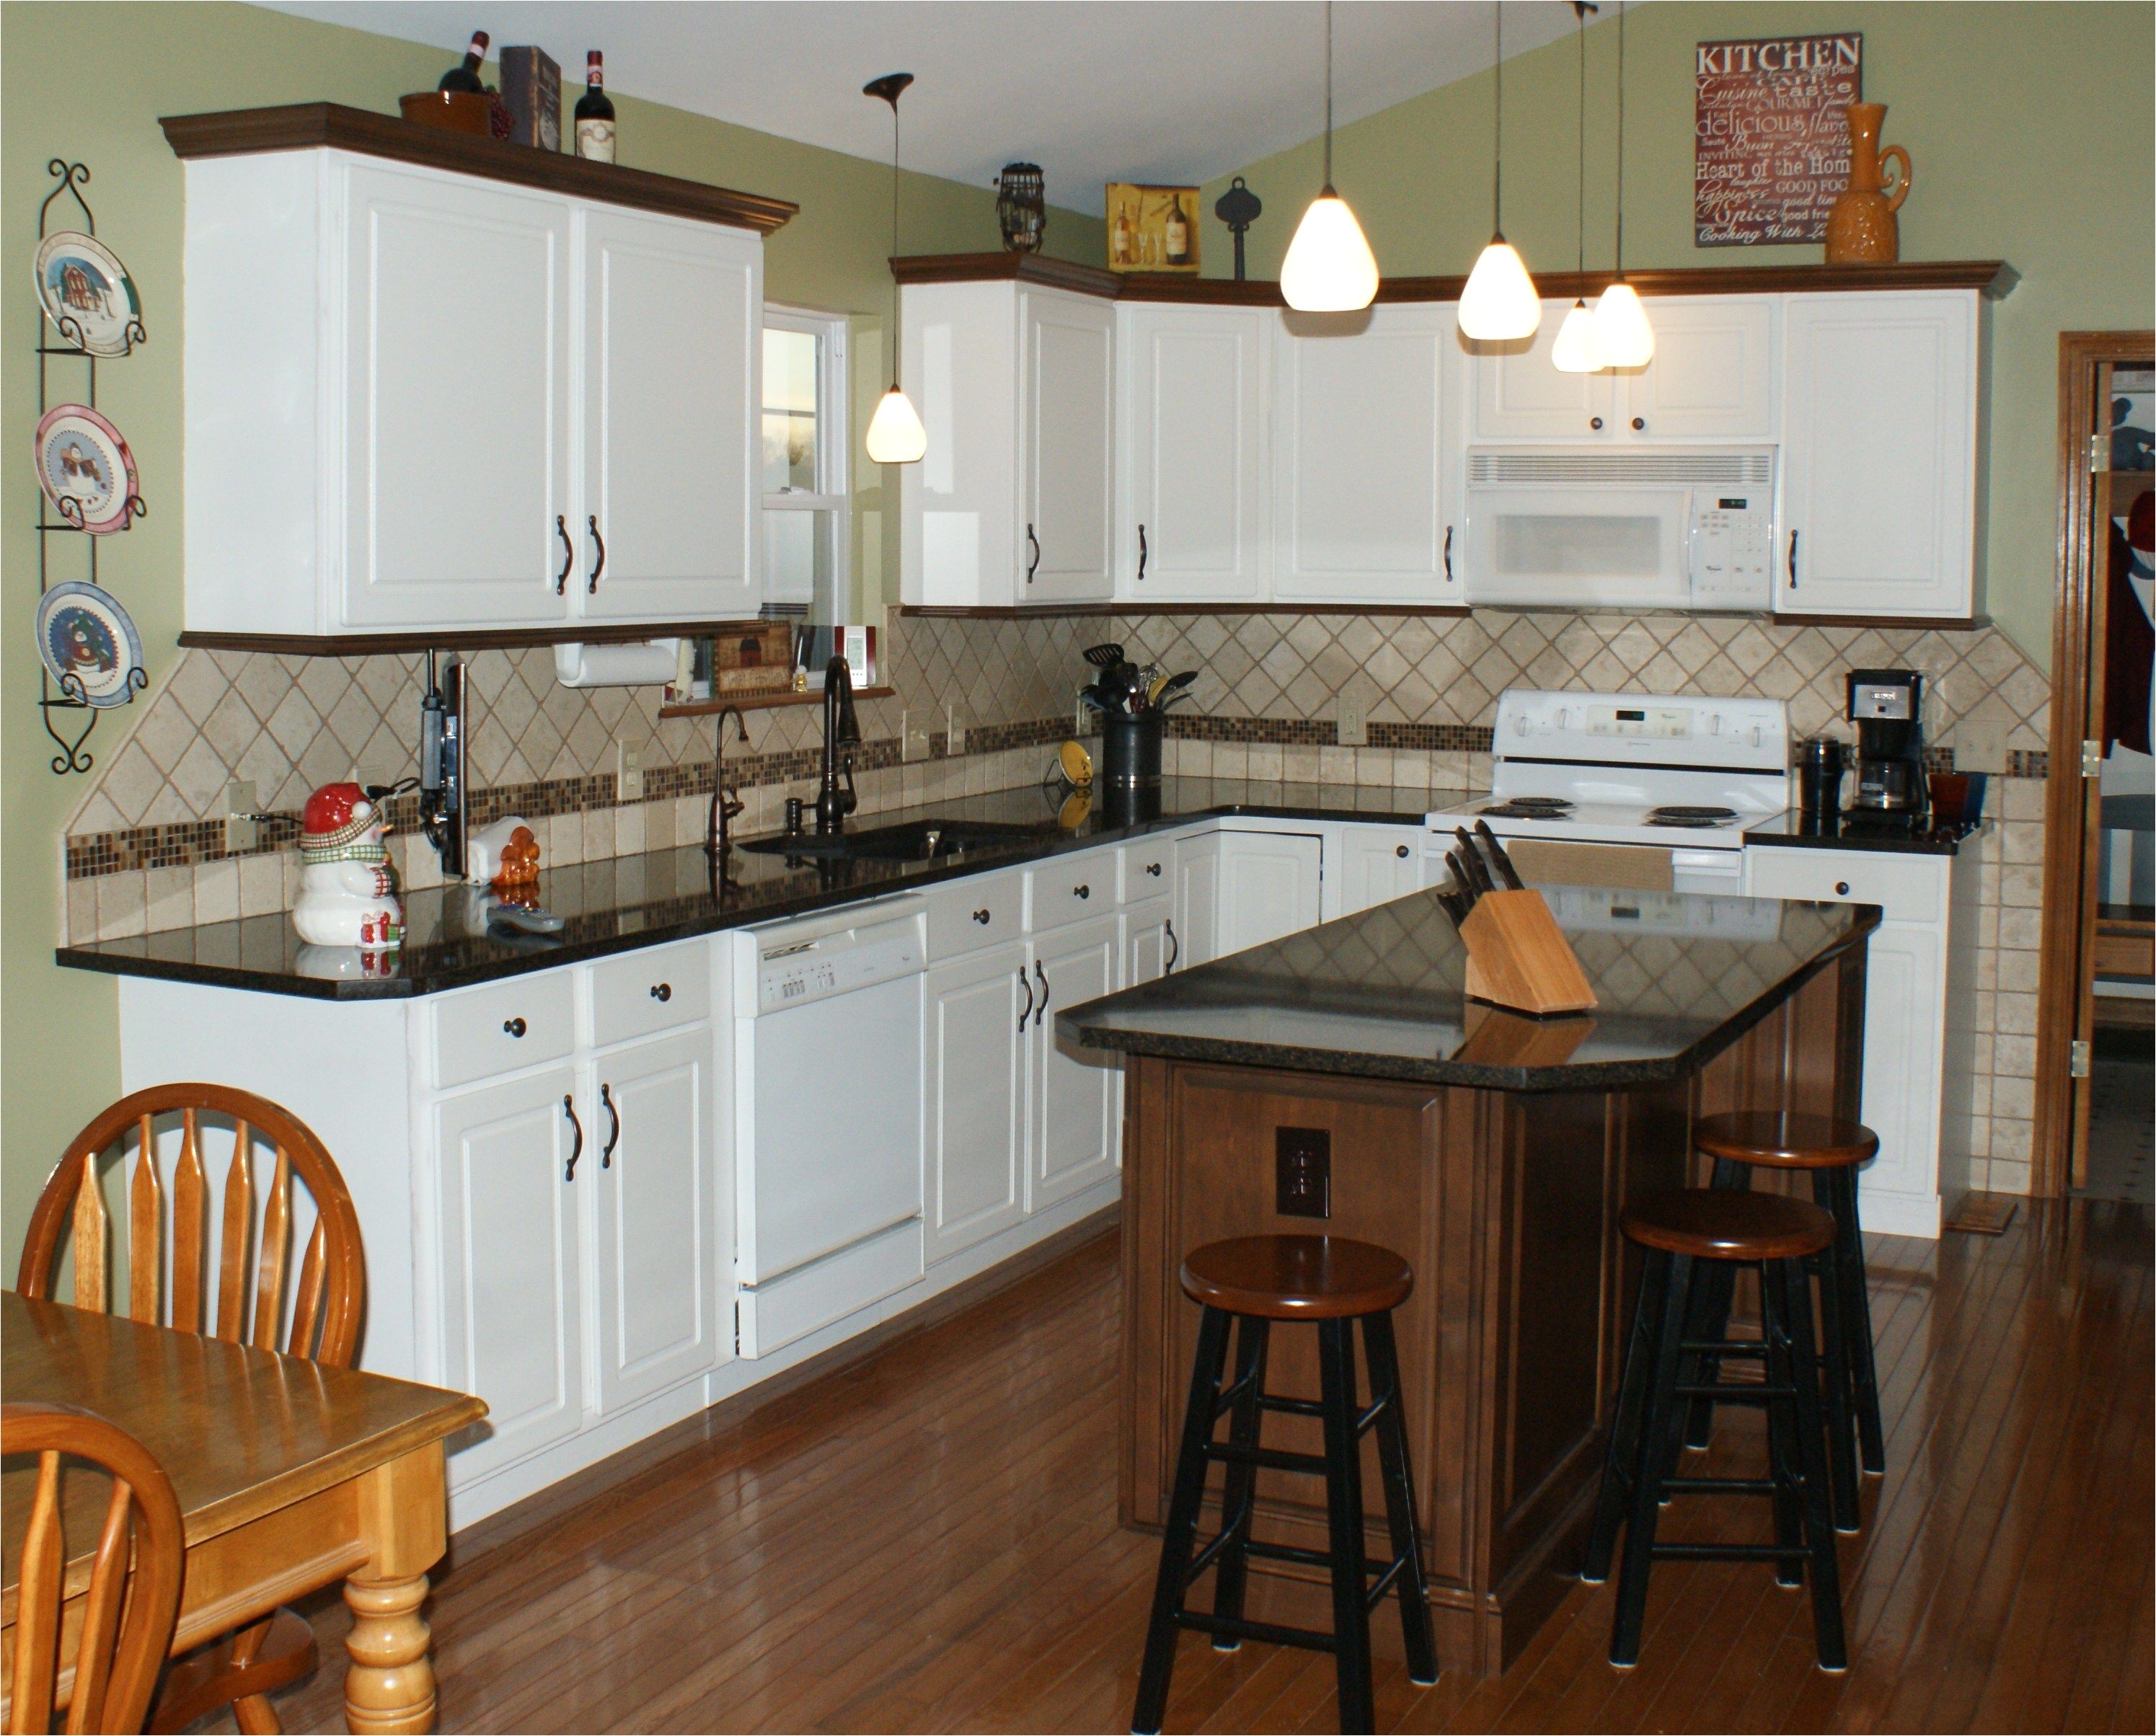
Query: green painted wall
x=2030, y=126
x=88, y=83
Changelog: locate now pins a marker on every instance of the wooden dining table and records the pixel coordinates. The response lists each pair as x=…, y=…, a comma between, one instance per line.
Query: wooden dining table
x=290, y=1476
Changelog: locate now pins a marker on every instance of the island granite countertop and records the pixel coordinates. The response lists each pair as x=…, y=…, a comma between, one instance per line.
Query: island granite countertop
x=1380, y=995
x=619, y=903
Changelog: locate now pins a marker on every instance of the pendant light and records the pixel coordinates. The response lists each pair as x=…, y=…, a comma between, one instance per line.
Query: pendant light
x=896, y=435
x=1623, y=338
x=1329, y=267
x=1573, y=351
x=1499, y=304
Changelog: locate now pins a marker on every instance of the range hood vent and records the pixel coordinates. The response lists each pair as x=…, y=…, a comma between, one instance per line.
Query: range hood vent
x=1753, y=469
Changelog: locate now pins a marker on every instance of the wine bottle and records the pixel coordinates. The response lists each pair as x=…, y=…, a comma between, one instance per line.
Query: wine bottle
x=594, y=114
x=1178, y=233
x=464, y=76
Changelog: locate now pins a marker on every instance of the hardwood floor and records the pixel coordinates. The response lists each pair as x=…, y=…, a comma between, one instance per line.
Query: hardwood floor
x=926, y=1540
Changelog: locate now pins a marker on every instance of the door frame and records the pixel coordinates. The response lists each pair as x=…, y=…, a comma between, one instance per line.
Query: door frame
x=2069, y=863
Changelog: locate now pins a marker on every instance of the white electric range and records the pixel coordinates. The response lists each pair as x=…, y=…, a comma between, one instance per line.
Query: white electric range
x=1670, y=777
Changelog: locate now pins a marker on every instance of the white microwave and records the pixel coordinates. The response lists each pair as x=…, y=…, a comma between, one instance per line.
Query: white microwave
x=1638, y=530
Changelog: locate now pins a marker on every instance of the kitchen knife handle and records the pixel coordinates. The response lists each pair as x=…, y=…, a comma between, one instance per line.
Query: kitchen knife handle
x=1478, y=871
x=1498, y=859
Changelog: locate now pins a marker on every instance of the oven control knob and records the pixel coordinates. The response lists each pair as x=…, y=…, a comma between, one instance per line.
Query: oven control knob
x=1519, y=725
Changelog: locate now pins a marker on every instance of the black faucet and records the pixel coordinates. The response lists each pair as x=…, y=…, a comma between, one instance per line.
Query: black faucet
x=841, y=728
x=726, y=801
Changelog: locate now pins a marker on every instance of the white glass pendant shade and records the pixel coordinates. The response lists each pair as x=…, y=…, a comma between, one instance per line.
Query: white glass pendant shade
x=1623, y=338
x=1329, y=267
x=1499, y=302
x=896, y=435
x=1573, y=351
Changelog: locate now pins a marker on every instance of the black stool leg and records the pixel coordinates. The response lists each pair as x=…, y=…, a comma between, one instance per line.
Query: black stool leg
x=1857, y=1320
x=1661, y=1435
x=1343, y=1503
x=1785, y=1455
x=1179, y=1539
x=1621, y=1463
x=1238, y=1501
x=1710, y=1319
x=1399, y=1500
x=1818, y=1522
x=1840, y=1431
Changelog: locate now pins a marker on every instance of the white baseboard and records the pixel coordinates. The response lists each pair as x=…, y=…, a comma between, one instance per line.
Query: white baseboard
x=1886, y=1213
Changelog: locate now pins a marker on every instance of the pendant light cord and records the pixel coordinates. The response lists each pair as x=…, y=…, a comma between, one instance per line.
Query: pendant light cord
x=1497, y=134
x=1581, y=9
x=1328, y=96
x=1621, y=9
x=894, y=243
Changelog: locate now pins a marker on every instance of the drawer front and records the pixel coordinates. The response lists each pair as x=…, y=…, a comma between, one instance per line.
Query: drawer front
x=654, y=989
x=977, y=911
x=1905, y=889
x=481, y=1033
x=1070, y=888
x=1147, y=867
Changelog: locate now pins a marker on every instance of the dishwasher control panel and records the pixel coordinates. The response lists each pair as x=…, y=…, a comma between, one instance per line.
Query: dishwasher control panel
x=800, y=973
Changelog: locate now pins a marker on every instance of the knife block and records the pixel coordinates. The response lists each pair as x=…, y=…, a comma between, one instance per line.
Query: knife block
x=1518, y=957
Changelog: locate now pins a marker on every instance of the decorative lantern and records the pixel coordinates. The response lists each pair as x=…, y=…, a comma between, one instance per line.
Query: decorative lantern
x=1237, y=208
x=1022, y=206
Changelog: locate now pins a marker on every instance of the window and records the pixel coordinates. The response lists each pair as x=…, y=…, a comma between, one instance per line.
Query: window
x=805, y=562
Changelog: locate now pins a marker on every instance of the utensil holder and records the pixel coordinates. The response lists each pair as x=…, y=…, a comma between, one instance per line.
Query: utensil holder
x=1130, y=753
x=1518, y=957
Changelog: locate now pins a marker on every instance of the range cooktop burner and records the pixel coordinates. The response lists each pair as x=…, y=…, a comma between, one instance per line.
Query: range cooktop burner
x=1685, y=822
x=1678, y=813
x=1554, y=804
x=1514, y=811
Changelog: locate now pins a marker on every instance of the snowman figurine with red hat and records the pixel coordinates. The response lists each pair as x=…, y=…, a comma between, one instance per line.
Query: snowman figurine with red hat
x=347, y=894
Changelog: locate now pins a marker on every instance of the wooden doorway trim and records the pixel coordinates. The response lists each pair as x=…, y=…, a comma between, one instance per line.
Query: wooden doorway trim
x=2069, y=865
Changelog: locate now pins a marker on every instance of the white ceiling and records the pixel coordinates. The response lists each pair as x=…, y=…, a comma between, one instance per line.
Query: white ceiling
x=1093, y=91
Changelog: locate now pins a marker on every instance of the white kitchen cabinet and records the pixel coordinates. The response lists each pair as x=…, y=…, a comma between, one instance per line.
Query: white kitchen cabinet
x=1517, y=393
x=1197, y=897
x=664, y=1254
x=1074, y=1105
x=1357, y=513
x=508, y=1215
x=1012, y=502
x=1193, y=423
x=977, y=1058
x=673, y=350
x=1879, y=454
x=1378, y=864
x=1269, y=887
x=449, y=391
x=1151, y=946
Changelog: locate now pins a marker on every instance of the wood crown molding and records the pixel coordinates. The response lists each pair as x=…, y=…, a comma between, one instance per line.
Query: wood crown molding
x=303, y=127
x=1994, y=279
x=492, y=639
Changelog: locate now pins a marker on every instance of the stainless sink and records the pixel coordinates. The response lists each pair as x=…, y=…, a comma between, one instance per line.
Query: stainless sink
x=913, y=841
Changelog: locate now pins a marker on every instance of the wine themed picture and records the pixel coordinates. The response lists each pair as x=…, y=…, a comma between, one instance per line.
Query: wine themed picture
x=1152, y=229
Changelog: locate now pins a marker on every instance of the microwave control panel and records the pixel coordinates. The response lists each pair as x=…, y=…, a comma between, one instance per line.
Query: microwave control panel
x=1732, y=548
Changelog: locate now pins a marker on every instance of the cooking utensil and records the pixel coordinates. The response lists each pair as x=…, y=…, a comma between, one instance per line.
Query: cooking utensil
x=1498, y=859
x=1103, y=656
x=1172, y=686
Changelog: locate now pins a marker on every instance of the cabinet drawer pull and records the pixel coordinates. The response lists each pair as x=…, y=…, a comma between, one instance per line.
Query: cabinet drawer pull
x=614, y=1130
x=1841, y=886
x=577, y=1127
x=1448, y=554
x=1792, y=560
x=662, y=991
x=1174, y=946
x=568, y=555
x=515, y=1027
x=1400, y=851
x=1081, y=892
x=1026, y=1011
x=599, y=566
x=1032, y=565
x=1596, y=424
x=1154, y=868
x=981, y=916
x=1639, y=424
x=1040, y=1012
x=1142, y=553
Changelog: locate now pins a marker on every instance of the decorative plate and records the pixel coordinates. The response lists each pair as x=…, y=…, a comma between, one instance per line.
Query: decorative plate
x=89, y=644
x=87, y=293
x=86, y=470
x=1077, y=763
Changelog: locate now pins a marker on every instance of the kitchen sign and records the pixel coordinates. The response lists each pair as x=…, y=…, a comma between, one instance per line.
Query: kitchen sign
x=1771, y=138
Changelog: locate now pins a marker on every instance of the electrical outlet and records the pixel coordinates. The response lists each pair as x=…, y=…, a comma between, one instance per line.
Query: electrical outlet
x=1302, y=1172
x=1354, y=723
x=242, y=831
x=912, y=737
x=954, y=728
x=628, y=773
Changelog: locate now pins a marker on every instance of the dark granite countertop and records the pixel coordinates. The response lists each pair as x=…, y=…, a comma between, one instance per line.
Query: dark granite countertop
x=622, y=902
x=1380, y=995
x=1894, y=834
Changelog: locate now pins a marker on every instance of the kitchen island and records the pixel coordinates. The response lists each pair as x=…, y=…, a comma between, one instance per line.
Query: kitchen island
x=1339, y=1080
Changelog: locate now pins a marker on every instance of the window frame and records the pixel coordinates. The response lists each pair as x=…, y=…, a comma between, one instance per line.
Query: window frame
x=833, y=398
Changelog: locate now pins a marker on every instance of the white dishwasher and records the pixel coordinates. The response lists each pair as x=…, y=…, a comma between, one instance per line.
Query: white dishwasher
x=827, y=1116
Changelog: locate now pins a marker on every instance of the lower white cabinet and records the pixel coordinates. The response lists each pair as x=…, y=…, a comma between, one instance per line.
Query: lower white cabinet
x=1075, y=1104
x=1197, y=897
x=1377, y=864
x=1269, y=887
x=1152, y=948
x=974, y=1096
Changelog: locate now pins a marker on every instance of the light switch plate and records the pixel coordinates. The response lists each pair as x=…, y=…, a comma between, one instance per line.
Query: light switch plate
x=1979, y=744
x=628, y=773
x=954, y=728
x=1354, y=722
x=912, y=737
x=242, y=832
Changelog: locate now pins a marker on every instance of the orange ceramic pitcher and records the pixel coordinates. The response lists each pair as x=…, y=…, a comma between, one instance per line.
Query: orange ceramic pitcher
x=1861, y=228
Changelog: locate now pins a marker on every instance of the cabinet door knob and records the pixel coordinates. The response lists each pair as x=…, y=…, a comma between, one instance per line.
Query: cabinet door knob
x=662, y=991
x=1841, y=887
x=1595, y=422
x=515, y=1027
x=1639, y=424
x=1400, y=851
x=1081, y=892
x=1154, y=868
x=981, y=916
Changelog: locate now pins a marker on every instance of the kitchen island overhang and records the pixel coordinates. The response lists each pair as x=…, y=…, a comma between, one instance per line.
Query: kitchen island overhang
x=1495, y=1152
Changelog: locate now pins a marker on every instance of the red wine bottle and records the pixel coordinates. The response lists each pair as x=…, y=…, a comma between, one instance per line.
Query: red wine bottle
x=464, y=76
x=594, y=114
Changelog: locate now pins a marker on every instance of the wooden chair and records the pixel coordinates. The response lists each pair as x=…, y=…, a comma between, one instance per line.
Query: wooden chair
x=254, y=1256
x=117, y=1655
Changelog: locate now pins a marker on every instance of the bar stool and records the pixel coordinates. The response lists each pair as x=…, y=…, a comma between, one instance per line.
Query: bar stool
x=1690, y=1234
x=1332, y=1282
x=1832, y=1150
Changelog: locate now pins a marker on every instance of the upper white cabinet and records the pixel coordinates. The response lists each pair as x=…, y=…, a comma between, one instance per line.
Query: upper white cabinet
x=1879, y=454
x=1357, y=504
x=1517, y=393
x=1194, y=426
x=1013, y=505
x=419, y=401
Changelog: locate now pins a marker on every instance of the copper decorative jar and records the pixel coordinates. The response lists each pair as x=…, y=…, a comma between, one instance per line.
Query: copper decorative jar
x=1862, y=229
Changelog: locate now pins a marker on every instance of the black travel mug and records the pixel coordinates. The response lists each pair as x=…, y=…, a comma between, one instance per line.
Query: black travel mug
x=1818, y=775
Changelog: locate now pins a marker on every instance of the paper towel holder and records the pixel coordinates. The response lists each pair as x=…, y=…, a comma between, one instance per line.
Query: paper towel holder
x=651, y=662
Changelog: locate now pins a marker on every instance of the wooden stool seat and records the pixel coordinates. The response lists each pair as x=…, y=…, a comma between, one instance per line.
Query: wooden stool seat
x=1786, y=1140
x=1296, y=1277
x=1711, y=1225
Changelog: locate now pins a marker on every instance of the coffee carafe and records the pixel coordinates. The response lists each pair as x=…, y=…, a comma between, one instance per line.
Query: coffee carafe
x=1887, y=707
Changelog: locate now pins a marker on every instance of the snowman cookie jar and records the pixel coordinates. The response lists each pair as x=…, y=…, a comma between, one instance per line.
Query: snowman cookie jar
x=346, y=896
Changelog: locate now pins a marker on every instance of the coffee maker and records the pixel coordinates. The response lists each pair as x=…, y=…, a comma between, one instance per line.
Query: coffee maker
x=1887, y=707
